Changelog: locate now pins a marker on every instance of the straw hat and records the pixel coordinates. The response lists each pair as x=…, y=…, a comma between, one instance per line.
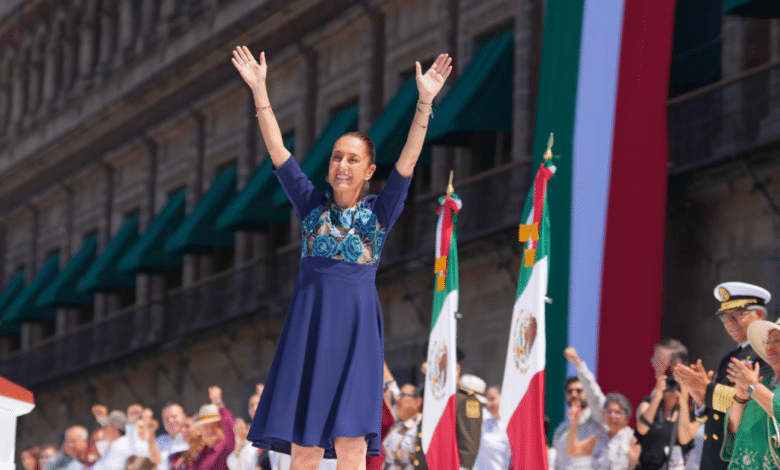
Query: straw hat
x=208, y=414
x=758, y=332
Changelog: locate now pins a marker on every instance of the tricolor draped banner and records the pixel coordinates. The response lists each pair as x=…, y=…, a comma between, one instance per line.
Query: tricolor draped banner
x=603, y=87
x=439, y=440
x=522, y=401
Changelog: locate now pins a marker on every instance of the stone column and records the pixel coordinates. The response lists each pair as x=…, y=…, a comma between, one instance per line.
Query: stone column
x=143, y=291
x=733, y=46
x=27, y=328
x=65, y=315
x=191, y=268
x=104, y=235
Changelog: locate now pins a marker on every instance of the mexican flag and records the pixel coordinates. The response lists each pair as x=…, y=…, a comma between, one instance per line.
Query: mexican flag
x=522, y=401
x=603, y=88
x=439, y=440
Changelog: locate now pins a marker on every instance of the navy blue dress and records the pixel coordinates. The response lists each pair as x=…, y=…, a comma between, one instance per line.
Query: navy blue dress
x=326, y=377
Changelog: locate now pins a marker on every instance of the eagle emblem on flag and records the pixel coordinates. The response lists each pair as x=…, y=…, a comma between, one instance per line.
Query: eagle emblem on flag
x=524, y=333
x=437, y=364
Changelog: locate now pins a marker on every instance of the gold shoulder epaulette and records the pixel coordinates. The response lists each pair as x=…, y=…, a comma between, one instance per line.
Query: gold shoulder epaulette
x=723, y=397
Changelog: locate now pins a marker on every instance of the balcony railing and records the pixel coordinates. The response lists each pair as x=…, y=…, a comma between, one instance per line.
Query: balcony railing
x=492, y=202
x=725, y=119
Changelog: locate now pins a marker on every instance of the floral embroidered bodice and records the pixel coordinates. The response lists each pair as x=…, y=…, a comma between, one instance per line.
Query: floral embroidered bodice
x=353, y=235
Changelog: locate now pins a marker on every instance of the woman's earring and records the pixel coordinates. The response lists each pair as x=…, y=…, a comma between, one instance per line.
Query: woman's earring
x=327, y=180
x=365, y=184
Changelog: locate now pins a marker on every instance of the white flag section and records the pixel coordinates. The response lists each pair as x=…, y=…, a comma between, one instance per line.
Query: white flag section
x=526, y=355
x=441, y=377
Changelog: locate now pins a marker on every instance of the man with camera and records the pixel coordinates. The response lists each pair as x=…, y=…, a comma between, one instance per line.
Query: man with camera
x=713, y=393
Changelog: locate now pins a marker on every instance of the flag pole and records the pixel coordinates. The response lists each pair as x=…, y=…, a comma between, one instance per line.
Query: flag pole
x=450, y=188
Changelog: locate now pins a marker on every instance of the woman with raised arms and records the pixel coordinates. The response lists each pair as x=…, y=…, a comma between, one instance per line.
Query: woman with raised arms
x=323, y=394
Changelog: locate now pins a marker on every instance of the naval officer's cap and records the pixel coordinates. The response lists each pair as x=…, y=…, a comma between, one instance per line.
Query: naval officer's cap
x=740, y=294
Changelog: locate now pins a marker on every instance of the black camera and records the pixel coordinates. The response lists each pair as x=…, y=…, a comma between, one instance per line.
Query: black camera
x=671, y=384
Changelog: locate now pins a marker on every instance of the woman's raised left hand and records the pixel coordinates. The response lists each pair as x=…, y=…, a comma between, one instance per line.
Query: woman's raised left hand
x=430, y=83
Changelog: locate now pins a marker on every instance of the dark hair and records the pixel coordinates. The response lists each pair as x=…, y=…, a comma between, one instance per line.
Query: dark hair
x=370, y=148
x=568, y=382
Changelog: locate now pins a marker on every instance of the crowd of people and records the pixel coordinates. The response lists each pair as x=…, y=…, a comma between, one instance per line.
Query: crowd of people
x=692, y=419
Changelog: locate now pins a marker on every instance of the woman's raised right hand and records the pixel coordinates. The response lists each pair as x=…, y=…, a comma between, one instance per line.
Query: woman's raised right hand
x=251, y=71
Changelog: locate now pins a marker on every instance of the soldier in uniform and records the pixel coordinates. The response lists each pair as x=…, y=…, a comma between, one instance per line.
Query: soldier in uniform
x=468, y=417
x=741, y=305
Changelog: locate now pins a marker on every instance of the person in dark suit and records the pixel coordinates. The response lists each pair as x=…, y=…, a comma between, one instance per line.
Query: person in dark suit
x=713, y=393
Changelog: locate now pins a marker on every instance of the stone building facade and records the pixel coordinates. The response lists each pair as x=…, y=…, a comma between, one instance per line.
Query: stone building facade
x=109, y=107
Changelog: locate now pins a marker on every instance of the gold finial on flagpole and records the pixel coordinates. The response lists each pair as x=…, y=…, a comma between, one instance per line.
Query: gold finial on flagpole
x=450, y=189
x=548, y=153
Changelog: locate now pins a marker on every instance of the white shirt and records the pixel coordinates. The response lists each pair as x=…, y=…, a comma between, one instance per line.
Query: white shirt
x=612, y=454
x=169, y=446
x=494, y=453
x=244, y=458
x=75, y=464
x=121, y=449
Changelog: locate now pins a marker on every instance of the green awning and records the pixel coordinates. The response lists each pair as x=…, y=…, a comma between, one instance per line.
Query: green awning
x=148, y=255
x=103, y=274
x=23, y=308
x=696, y=48
x=752, y=8
x=11, y=291
x=481, y=99
x=198, y=234
x=62, y=290
x=251, y=210
x=315, y=163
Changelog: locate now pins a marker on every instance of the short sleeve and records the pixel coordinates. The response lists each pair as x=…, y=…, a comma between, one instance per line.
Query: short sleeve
x=390, y=202
x=299, y=189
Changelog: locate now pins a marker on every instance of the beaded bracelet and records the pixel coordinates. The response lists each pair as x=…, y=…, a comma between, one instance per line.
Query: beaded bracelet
x=257, y=110
x=415, y=121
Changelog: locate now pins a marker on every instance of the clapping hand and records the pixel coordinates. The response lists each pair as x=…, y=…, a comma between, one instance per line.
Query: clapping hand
x=253, y=72
x=742, y=373
x=694, y=378
x=430, y=83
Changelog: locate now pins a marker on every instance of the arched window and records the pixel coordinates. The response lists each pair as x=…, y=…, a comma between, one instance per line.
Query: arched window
x=6, y=89
x=72, y=48
x=36, y=67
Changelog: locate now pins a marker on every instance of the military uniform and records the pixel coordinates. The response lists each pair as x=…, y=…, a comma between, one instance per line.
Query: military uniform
x=468, y=416
x=720, y=392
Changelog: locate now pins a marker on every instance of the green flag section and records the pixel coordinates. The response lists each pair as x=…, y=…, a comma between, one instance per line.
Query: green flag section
x=315, y=163
x=522, y=401
x=103, y=274
x=251, y=209
x=555, y=113
x=10, y=292
x=439, y=437
x=23, y=308
x=481, y=98
x=148, y=255
x=752, y=8
x=62, y=291
x=198, y=234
